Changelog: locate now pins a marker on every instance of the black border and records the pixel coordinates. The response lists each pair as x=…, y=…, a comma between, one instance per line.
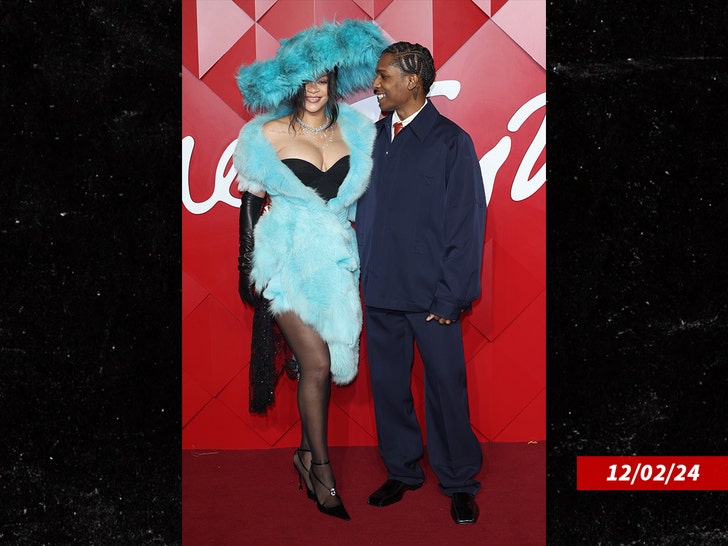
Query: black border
x=91, y=342
x=636, y=303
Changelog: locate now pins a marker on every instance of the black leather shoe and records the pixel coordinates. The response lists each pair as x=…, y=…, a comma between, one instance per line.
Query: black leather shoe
x=463, y=508
x=390, y=492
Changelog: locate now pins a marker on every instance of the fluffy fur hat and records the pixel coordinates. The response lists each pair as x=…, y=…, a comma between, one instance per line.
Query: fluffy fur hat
x=354, y=46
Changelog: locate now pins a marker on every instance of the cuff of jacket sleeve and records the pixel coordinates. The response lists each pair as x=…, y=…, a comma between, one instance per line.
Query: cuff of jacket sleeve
x=446, y=309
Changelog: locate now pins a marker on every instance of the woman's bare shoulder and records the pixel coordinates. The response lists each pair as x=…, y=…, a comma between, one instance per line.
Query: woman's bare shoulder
x=277, y=126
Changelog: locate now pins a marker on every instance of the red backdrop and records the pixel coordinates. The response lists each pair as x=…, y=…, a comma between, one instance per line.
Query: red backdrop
x=490, y=60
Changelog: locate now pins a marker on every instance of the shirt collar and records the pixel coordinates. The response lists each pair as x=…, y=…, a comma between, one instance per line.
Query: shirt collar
x=408, y=119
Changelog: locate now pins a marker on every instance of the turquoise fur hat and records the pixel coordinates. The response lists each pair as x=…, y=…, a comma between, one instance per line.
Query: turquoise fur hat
x=354, y=46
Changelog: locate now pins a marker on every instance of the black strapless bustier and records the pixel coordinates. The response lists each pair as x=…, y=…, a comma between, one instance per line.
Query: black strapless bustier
x=326, y=183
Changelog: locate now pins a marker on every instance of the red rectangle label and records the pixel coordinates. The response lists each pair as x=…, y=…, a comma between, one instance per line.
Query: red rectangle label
x=650, y=473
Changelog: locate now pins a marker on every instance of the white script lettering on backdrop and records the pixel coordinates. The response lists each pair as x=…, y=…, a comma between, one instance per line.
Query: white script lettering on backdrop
x=521, y=188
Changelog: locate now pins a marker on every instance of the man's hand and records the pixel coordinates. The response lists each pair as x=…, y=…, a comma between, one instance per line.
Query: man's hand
x=439, y=319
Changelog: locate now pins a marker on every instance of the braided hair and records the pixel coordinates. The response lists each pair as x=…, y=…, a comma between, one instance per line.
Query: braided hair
x=414, y=59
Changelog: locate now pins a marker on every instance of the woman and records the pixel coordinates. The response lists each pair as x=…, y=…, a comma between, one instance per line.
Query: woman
x=312, y=158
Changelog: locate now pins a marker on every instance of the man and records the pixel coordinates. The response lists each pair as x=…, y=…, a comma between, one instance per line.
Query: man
x=420, y=228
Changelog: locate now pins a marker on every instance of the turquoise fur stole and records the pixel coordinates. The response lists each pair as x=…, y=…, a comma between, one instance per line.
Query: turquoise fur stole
x=306, y=258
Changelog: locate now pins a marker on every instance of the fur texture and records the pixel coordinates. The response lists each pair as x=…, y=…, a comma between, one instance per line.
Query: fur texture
x=353, y=46
x=305, y=257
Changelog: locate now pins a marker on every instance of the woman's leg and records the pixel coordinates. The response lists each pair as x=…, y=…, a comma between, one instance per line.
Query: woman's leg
x=314, y=386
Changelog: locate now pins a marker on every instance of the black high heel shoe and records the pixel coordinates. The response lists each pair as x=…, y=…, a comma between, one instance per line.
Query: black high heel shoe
x=301, y=480
x=337, y=511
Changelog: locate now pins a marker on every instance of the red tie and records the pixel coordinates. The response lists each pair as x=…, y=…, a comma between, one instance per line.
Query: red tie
x=397, y=127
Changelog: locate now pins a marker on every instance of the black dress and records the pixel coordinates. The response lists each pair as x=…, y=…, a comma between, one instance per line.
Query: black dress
x=326, y=183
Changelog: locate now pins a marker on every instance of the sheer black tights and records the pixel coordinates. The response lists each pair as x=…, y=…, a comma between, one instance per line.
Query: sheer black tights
x=314, y=388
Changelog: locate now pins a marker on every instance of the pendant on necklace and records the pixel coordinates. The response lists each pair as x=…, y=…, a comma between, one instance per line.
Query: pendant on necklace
x=320, y=136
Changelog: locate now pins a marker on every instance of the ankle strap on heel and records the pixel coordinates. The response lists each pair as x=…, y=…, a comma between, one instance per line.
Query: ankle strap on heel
x=332, y=490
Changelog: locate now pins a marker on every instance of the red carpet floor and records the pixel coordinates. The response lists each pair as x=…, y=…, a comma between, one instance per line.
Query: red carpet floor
x=252, y=497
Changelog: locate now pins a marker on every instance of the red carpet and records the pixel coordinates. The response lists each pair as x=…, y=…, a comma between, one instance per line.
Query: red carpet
x=252, y=497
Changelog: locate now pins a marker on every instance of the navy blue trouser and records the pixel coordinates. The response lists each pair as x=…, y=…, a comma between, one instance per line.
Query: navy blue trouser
x=453, y=449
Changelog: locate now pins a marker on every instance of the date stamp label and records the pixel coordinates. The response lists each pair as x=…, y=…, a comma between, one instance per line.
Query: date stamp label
x=637, y=473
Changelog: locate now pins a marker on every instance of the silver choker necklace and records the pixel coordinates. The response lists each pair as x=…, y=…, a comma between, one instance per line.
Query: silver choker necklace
x=312, y=129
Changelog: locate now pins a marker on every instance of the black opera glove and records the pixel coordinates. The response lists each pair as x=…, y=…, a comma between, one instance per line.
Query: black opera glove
x=250, y=210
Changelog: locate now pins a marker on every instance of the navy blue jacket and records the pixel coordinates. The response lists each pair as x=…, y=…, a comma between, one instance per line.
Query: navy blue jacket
x=420, y=225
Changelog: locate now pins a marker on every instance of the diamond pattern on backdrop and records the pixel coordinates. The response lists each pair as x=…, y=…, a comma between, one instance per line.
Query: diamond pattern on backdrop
x=219, y=25
x=457, y=21
x=523, y=21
